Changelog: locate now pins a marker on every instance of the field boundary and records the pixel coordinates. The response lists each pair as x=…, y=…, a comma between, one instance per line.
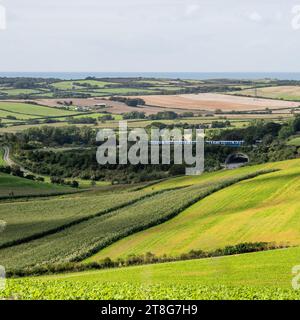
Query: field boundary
x=143, y=260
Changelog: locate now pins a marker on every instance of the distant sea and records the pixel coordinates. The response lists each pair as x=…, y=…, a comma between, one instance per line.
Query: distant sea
x=164, y=75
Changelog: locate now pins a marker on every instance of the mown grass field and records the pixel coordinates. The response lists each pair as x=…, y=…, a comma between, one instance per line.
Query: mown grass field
x=81, y=240
x=260, y=275
x=265, y=208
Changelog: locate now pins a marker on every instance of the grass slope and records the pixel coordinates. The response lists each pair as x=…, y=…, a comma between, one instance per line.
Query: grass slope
x=217, y=176
x=265, y=208
x=81, y=240
x=276, y=92
x=31, y=109
x=260, y=275
x=25, y=187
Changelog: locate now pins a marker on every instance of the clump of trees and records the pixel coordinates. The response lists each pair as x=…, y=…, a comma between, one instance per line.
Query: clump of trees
x=106, y=117
x=58, y=180
x=164, y=115
x=134, y=115
x=82, y=120
x=131, y=102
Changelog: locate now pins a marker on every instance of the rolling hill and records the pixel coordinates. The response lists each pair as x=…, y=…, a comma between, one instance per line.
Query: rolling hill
x=20, y=187
x=265, y=208
x=102, y=227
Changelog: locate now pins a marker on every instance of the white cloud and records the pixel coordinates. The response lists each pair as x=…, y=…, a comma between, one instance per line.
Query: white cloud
x=2, y=17
x=255, y=16
x=192, y=9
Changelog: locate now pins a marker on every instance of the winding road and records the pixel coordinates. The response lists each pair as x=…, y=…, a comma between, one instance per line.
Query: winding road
x=10, y=162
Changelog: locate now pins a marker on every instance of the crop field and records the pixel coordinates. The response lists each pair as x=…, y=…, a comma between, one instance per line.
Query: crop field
x=83, y=239
x=265, y=208
x=291, y=93
x=212, y=177
x=260, y=275
x=213, y=101
x=29, y=218
x=24, y=187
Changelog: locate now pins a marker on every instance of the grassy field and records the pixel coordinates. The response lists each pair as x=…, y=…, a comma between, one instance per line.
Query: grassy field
x=291, y=93
x=35, y=110
x=265, y=208
x=260, y=275
x=213, y=177
x=16, y=92
x=69, y=85
x=19, y=116
x=86, y=238
x=25, y=187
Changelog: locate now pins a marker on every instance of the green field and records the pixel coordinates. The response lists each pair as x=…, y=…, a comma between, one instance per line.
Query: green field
x=32, y=217
x=125, y=91
x=69, y=85
x=19, y=116
x=24, y=187
x=34, y=110
x=260, y=275
x=290, y=93
x=83, y=239
x=16, y=92
x=265, y=208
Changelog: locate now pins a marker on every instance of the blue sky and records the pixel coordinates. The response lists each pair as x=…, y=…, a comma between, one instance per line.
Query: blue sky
x=150, y=35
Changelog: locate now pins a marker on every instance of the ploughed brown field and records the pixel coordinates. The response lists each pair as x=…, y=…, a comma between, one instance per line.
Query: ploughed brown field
x=213, y=101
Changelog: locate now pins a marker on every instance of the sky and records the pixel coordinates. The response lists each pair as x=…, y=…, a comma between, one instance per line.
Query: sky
x=150, y=35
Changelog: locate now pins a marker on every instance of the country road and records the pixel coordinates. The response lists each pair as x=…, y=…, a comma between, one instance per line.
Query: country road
x=6, y=158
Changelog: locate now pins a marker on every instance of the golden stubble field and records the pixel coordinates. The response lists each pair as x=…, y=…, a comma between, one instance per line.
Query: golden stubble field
x=213, y=101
